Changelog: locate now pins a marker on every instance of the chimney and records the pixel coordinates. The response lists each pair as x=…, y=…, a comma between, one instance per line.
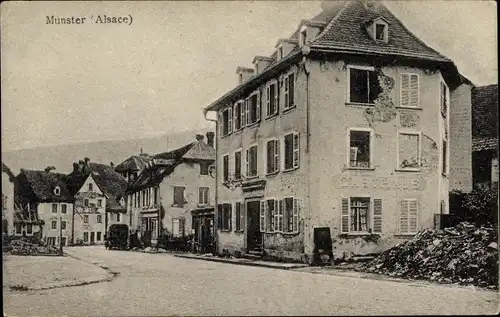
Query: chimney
x=210, y=138
x=200, y=137
x=244, y=74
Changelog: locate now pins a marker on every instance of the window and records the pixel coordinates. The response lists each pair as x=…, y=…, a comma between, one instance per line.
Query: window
x=280, y=52
x=363, y=86
x=271, y=99
x=54, y=208
x=54, y=225
x=359, y=148
x=237, y=165
x=29, y=228
x=291, y=212
x=63, y=225
x=251, y=161
x=57, y=191
x=253, y=108
x=224, y=217
x=226, y=121
x=290, y=91
x=203, y=169
x=408, y=215
x=291, y=155
x=225, y=168
x=98, y=238
x=91, y=187
x=177, y=226
x=19, y=228
x=238, y=112
x=85, y=237
x=64, y=208
x=380, y=32
x=240, y=217
x=444, y=99
x=204, y=197
x=99, y=203
x=445, y=158
x=357, y=216
x=270, y=218
x=178, y=196
x=85, y=218
x=409, y=151
x=51, y=241
x=99, y=219
x=303, y=36
x=409, y=90
x=272, y=156
x=86, y=202
x=118, y=217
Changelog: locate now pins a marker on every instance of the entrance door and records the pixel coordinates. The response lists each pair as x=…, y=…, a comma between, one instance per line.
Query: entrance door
x=92, y=237
x=63, y=241
x=254, y=236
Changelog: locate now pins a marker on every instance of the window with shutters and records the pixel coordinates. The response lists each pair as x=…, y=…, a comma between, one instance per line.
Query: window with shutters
x=226, y=121
x=410, y=90
x=178, y=196
x=291, y=151
x=360, y=143
x=203, y=195
x=360, y=208
x=225, y=168
x=290, y=210
x=226, y=217
x=409, y=150
x=358, y=217
x=251, y=161
x=289, y=91
x=253, y=108
x=176, y=226
x=54, y=207
x=237, y=112
x=363, y=85
x=237, y=165
x=270, y=220
x=444, y=99
x=408, y=216
x=271, y=99
x=240, y=217
x=272, y=156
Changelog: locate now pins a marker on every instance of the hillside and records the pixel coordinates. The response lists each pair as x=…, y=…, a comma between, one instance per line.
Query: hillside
x=63, y=156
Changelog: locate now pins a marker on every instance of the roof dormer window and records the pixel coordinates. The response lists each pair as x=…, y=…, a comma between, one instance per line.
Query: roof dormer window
x=303, y=36
x=381, y=32
x=57, y=191
x=280, y=52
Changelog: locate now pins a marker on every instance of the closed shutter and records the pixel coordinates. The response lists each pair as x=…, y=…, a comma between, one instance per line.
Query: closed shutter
x=403, y=217
x=181, y=226
x=296, y=150
x=295, y=218
x=377, y=215
x=219, y=216
x=405, y=90
x=414, y=90
x=262, y=216
x=345, y=215
x=229, y=120
x=259, y=95
x=413, y=215
x=284, y=212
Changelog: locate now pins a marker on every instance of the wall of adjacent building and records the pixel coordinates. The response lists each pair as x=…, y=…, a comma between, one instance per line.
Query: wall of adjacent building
x=8, y=208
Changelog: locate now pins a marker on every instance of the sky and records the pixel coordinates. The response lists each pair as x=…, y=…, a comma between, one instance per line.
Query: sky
x=91, y=82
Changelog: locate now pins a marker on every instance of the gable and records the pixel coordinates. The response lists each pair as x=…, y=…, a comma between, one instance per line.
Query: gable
x=84, y=189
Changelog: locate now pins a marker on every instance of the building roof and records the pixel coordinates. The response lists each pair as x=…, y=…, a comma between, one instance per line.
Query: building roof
x=133, y=163
x=7, y=170
x=484, y=118
x=345, y=33
x=44, y=183
x=108, y=180
x=164, y=164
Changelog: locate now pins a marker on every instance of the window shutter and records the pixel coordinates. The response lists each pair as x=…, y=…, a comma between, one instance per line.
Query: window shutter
x=219, y=216
x=403, y=217
x=295, y=220
x=414, y=90
x=413, y=214
x=259, y=95
x=262, y=216
x=247, y=120
x=377, y=215
x=247, y=166
x=221, y=123
x=243, y=107
x=296, y=148
x=236, y=113
x=405, y=90
x=268, y=101
x=276, y=155
x=277, y=95
x=242, y=216
x=286, y=93
x=230, y=220
x=230, y=120
x=345, y=215
x=291, y=89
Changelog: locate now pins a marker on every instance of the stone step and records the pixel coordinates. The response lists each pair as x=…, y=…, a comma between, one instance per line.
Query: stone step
x=252, y=256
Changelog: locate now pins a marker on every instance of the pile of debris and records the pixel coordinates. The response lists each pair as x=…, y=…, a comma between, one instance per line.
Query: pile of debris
x=26, y=246
x=464, y=254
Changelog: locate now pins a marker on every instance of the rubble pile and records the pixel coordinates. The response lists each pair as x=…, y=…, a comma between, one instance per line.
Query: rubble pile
x=24, y=246
x=464, y=255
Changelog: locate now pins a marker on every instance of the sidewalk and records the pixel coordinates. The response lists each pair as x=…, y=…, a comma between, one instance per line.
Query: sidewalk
x=28, y=273
x=241, y=261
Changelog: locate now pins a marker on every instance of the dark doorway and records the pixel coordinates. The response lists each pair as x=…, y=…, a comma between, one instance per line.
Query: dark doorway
x=254, y=236
x=92, y=237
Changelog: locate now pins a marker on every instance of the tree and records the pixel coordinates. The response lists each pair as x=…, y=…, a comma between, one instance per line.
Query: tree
x=50, y=168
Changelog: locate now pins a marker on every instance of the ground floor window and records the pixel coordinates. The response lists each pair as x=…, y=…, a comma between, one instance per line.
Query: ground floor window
x=280, y=215
x=51, y=241
x=19, y=228
x=240, y=218
x=29, y=228
x=358, y=215
x=85, y=237
x=408, y=216
x=98, y=236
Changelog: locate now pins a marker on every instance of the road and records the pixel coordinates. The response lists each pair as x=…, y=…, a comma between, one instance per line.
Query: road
x=161, y=284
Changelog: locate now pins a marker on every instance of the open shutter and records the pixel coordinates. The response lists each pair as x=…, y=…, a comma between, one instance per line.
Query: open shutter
x=377, y=215
x=259, y=95
x=277, y=95
x=221, y=123
x=405, y=90
x=230, y=220
x=242, y=216
x=296, y=150
x=236, y=113
x=247, y=160
x=279, y=216
x=283, y=211
x=247, y=109
x=219, y=216
x=295, y=221
x=276, y=155
x=414, y=90
x=230, y=120
x=413, y=214
x=345, y=215
x=403, y=217
x=268, y=101
x=243, y=109
x=262, y=216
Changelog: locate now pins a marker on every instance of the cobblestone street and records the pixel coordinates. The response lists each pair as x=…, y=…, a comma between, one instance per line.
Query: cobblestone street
x=161, y=284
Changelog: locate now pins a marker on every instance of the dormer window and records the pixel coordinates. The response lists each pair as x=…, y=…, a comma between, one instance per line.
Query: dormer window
x=91, y=187
x=303, y=36
x=378, y=29
x=57, y=191
x=122, y=201
x=280, y=52
x=381, y=32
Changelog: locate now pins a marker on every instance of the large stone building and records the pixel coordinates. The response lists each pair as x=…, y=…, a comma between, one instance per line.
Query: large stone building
x=345, y=129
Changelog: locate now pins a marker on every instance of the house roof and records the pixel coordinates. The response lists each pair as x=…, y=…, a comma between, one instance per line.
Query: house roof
x=43, y=184
x=7, y=170
x=345, y=33
x=164, y=164
x=133, y=163
x=484, y=118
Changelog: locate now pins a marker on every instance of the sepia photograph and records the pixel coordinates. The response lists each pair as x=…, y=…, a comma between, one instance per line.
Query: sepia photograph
x=249, y=158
